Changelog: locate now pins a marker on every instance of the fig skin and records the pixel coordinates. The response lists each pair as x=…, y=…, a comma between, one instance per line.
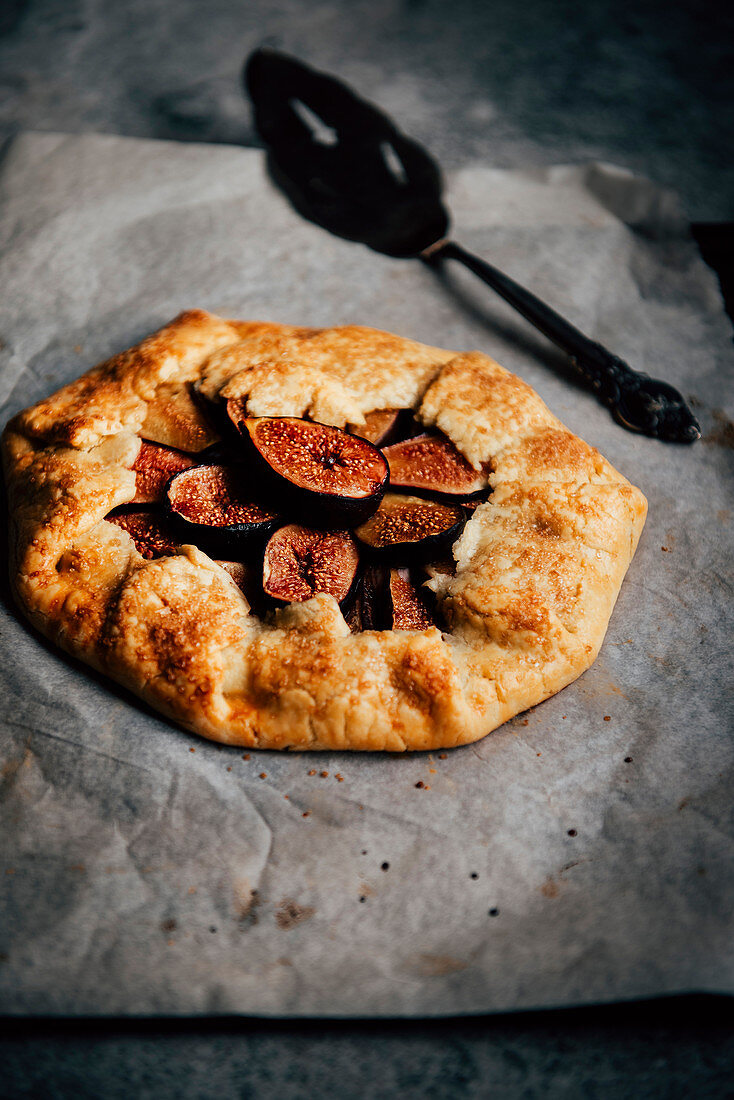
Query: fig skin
x=430, y=463
x=321, y=474
x=234, y=413
x=406, y=607
x=364, y=612
x=371, y=594
x=154, y=466
x=408, y=528
x=211, y=508
x=389, y=599
x=301, y=561
x=353, y=615
x=153, y=534
x=380, y=426
x=216, y=413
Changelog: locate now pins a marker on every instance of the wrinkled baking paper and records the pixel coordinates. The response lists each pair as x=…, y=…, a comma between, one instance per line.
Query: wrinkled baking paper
x=581, y=853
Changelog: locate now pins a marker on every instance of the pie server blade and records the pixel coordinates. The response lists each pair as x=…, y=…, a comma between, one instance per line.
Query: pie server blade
x=345, y=166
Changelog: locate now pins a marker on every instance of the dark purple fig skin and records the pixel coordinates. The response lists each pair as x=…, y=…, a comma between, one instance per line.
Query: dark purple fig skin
x=382, y=599
x=371, y=594
x=353, y=614
x=227, y=541
x=327, y=509
x=219, y=454
x=309, y=542
x=407, y=607
x=430, y=547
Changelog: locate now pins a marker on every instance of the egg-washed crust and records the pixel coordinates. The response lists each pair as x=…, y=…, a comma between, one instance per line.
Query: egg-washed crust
x=538, y=567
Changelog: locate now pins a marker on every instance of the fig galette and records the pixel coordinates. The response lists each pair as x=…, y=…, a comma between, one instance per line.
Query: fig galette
x=286, y=537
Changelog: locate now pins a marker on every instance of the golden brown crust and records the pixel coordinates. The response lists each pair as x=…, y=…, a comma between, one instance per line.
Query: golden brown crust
x=538, y=567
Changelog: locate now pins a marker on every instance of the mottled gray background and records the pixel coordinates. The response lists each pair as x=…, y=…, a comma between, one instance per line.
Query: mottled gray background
x=647, y=85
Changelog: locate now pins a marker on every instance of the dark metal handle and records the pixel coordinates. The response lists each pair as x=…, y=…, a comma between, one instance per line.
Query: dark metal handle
x=636, y=401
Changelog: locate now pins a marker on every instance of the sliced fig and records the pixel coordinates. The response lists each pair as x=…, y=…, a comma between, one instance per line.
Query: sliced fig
x=364, y=612
x=235, y=411
x=215, y=508
x=324, y=474
x=378, y=427
x=371, y=588
x=432, y=464
x=301, y=561
x=407, y=607
x=411, y=527
x=153, y=535
x=154, y=467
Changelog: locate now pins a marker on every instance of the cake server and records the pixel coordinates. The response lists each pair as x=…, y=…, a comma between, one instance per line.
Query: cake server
x=346, y=167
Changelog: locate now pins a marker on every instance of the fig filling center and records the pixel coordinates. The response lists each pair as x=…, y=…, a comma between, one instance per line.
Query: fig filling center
x=372, y=552
x=300, y=561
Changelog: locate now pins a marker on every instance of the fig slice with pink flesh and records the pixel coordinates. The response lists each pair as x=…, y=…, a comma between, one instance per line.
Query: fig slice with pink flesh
x=379, y=426
x=301, y=561
x=407, y=608
x=154, y=467
x=432, y=464
x=323, y=474
x=411, y=528
x=154, y=536
x=234, y=413
x=215, y=508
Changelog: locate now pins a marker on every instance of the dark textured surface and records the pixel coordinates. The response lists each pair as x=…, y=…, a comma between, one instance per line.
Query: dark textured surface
x=646, y=85
x=649, y=1051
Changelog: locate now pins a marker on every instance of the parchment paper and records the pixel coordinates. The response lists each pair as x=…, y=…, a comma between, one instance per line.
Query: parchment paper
x=581, y=853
